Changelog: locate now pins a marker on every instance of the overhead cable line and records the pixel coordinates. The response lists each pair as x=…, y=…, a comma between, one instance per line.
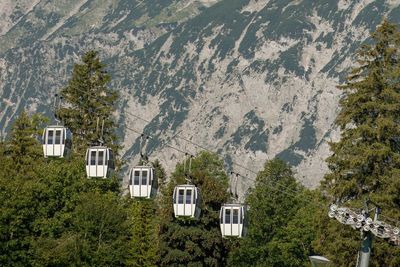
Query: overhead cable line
x=274, y=184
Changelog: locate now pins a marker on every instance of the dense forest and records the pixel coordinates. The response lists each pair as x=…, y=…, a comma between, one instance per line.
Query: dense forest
x=53, y=215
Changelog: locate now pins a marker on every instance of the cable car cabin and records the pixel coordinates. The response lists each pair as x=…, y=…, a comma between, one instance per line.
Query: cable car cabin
x=57, y=141
x=232, y=220
x=142, y=182
x=187, y=201
x=99, y=162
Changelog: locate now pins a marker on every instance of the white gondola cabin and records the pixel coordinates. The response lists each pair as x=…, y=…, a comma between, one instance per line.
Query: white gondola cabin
x=99, y=162
x=232, y=220
x=186, y=201
x=142, y=182
x=57, y=141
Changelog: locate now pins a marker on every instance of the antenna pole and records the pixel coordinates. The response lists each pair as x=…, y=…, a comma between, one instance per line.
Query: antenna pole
x=366, y=244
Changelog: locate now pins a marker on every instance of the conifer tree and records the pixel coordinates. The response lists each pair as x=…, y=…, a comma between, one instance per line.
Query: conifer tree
x=143, y=246
x=144, y=224
x=24, y=148
x=190, y=242
x=21, y=156
x=97, y=234
x=89, y=101
x=366, y=161
x=277, y=208
x=43, y=206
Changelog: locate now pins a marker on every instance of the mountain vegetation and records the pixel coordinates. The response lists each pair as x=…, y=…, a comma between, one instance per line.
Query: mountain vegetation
x=89, y=104
x=189, y=242
x=253, y=79
x=280, y=221
x=366, y=161
x=51, y=214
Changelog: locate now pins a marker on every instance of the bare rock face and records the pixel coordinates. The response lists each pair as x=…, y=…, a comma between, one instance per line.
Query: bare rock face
x=251, y=80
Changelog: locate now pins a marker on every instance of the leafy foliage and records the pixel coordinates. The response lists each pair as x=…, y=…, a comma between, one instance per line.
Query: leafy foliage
x=366, y=161
x=189, y=242
x=143, y=247
x=89, y=101
x=23, y=147
x=280, y=221
x=51, y=214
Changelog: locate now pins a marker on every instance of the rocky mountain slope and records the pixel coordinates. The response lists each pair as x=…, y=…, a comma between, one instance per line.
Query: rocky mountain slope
x=248, y=79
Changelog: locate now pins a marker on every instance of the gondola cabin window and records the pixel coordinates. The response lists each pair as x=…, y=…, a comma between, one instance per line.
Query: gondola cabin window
x=58, y=137
x=188, y=196
x=100, y=158
x=227, y=216
x=50, y=137
x=93, y=158
x=144, y=178
x=181, y=195
x=235, y=216
x=136, y=178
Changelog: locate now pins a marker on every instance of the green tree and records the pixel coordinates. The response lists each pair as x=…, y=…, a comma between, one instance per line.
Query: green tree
x=89, y=102
x=41, y=211
x=366, y=161
x=21, y=156
x=144, y=225
x=23, y=147
x=97, y=235
x=144, y=229
x=280, y=221
x=189, y=242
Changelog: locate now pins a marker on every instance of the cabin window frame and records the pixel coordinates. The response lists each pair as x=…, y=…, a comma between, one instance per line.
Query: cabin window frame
x=227, y=216
x=181, y=196
x=50, y=137
x=58, y=137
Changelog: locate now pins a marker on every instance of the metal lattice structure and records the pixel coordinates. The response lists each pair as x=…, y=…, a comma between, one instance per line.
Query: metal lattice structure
x=360, y=220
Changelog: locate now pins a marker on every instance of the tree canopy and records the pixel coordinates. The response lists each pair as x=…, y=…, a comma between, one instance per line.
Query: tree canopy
x=89, y=101
x=366, y=161
x=280, y=221
x=190, y=242
x=51, y=214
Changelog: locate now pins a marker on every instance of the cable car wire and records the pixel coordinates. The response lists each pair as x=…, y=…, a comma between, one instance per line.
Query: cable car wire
x=270, y=182
x=177, y=135
x=274, y=184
